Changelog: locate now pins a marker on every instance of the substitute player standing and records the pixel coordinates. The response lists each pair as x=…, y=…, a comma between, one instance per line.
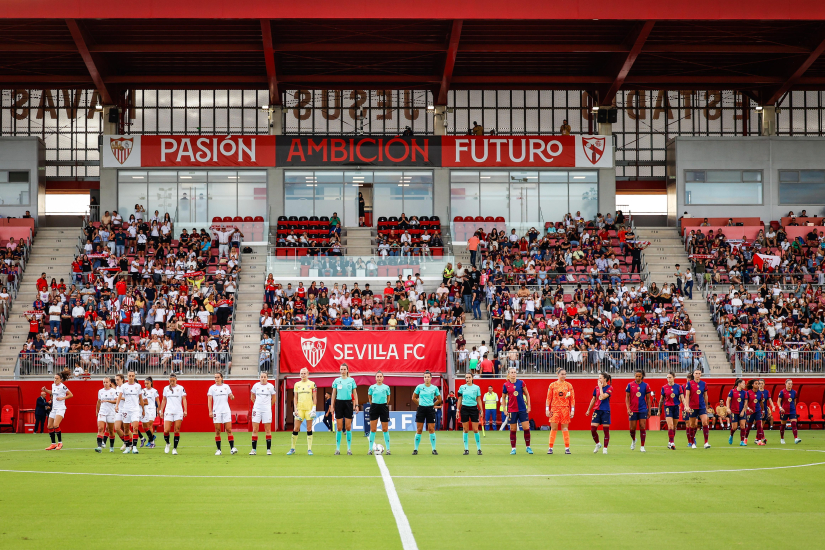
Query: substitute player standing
x=345, y=404
x=672, y=397
x=600, y=403
x=217, y=401
x=105, y=411
x=379, y=394
x=696, y=398
x=151, y=400
x=304, y=402
x=174, y=409
x=737, y=405
x=560, y=409
x=515, y=393
x=263, y=398
x=637, y=399
x=130, y=405
x=787, y=408
x=60, y=393
x=427, y=397
x=469, y=406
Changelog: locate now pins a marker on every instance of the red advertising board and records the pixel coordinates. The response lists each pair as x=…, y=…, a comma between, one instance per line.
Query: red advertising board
x=363, y=351
x=248, y=151
x=531, y=151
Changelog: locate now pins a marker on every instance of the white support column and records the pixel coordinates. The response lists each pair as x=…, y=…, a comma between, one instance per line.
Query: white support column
x=109, y=128
x=768, y=120
x=440, y=120
x=605, y=129
x=276, y=120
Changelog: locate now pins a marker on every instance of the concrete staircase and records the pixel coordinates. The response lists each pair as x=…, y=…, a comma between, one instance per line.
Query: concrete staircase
x=53, y=251
x=665, y=251
x=477, y=330
x=246, y=336
x=359, y=241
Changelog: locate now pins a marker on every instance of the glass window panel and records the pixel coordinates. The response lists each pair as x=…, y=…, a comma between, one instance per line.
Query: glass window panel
x=192, y=176
x=222, y=176
x=524, y=177
x=131, y=176
x=752, y=175
x=329, y=199
x=387, y=199
x=294, y=176
x=128, y=195
x=789, y=176
x=19, y=176
x=162, y=197
x=524, y=203
x=14, y=194
x=4, y=176
x=252, y=199
x=298, y=199
x=329, y=176
x=731, y=193
x=388, y=177
x=223, y=198
x=494, y=199
x=694, y=175
x=723, y=176
x=494, y=177
x=249, y=176
x=584, y=177
x=554, y=177
x=357, y=177
x=418, y=199
x=553, y=201
x=805, y=176
x=192, y=203
x=464, y=198
x=418, y=177
x=463, y=176
x=163, y=176
x=584, y=198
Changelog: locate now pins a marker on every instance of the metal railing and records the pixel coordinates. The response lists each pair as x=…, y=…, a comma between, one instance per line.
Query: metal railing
x=785, y=361
x=548, y=361
x=101, y=363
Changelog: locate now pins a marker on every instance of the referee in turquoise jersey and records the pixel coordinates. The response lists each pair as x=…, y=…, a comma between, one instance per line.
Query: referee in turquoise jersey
x=345, y=403
x=427, y=397
x=469, y=405
x=379, y=410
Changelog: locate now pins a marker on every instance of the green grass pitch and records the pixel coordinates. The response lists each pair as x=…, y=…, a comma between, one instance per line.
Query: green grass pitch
x=725, y=497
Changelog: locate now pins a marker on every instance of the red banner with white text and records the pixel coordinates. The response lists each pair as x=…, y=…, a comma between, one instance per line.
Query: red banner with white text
x=363, y=351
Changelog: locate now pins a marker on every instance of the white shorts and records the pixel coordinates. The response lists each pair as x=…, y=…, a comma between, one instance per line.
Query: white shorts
x=131, y=416
x=261, y=417
x=149, y=416
x=107, y=418
x=172, y=417
x=57, y=412
x=222, y=418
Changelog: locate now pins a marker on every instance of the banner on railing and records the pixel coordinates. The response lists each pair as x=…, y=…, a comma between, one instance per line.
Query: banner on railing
x=363, y=351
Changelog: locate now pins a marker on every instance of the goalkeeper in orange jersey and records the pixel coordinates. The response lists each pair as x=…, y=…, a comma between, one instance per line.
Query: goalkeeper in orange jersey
x=561, y=400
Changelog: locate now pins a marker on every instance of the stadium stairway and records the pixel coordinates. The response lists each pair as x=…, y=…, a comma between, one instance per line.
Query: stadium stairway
x=359, y=240
x=53, y=251
x=477, y=330
x=665, y=251
x=246, y=333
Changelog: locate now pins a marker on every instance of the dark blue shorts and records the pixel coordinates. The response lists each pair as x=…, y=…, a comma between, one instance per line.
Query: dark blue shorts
x=601, y=417
x=698, y=412
x=736, y=418
x=516, y=417
x=638, y=416
x=754, y=417
x=790, y=416
x=672, y=412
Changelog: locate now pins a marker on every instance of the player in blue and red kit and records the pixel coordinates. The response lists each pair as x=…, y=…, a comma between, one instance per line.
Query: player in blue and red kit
x=637, y=399
x=600, y=403
x=672, y=397
x=755, y=410
x=787, y=408
x=737, y=404
x=518, y=408
x=696, y=398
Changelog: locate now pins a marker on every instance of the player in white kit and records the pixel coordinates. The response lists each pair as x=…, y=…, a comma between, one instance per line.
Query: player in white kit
x=130, y=405
x=60, y=393
x=263, y=398
x=174, y=409
x=122, y=428
x=105, y=411
x=150, y=407
x=217, y=398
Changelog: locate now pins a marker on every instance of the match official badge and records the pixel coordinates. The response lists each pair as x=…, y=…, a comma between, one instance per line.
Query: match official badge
x=314, y=349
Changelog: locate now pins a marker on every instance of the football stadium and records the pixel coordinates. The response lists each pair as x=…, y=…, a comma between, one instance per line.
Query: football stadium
x=417, y=276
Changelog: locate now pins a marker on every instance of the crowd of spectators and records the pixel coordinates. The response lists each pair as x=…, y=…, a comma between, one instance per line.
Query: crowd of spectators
x=138, y=299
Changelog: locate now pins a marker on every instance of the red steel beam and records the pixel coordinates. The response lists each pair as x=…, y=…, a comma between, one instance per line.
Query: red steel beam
x=80, y=41
x=449, y=63
x=797, y=74
x=269, y=58
x=630, y=59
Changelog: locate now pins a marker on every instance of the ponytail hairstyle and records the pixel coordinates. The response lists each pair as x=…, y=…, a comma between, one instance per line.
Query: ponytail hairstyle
x=607, y=377
x=642, y=373
x=750, y=384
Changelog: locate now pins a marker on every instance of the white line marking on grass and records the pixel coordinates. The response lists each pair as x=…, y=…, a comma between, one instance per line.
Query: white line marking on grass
x=404, y=529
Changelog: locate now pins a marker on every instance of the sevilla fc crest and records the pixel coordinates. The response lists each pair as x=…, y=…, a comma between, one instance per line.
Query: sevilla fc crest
x=593, y=148
x=121, y=148
x=314, y=349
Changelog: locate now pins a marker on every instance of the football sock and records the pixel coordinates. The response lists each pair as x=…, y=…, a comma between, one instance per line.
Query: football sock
x=513, y=439
x=606, y=436
x=128, y=442
x=527, y=437
x=732, y=429
x=594, y=431
x=760, y=430
x=231, y=439
x=417, y=441
x=177, y=439
x=705, y=432
x=294, y=439
x=432, y=440
x=149, y=436
x=309, y=440
x=349, y=440
x=478, y=441
x=338, y=440
x=670, y=436
x=51, y=435
x=793, y=427
x=552, y=438
x=99, y=441
x=566, y=435
x=781, y=429
x=466, y=444
x=633, y=434
x=688, y=432
x=742, y=435
x=60, y=434
x=268, y=442
x=372, y=440
x=387, y=440
x=642, y=435
x=166, y=438
x=218, y=441
x=112, y=440
x=135, y=439
x=105, y=439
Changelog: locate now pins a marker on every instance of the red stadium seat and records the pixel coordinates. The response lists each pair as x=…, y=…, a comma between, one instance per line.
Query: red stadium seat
x=815, y=411
x=802, y=414
x=226, y=219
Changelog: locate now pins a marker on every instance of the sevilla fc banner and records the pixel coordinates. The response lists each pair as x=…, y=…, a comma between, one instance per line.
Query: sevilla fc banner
x=528, y=151
x=765, y=262
x=205, y=151
x=363, y=351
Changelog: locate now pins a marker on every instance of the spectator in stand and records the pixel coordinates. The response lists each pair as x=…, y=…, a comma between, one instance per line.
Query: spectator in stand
x=472, y=246
x=565, y=128
x=41, y=412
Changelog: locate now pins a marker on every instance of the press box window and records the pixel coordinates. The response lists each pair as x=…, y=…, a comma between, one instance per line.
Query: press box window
x=14, y=188
x=802, y=187
x=721, y=187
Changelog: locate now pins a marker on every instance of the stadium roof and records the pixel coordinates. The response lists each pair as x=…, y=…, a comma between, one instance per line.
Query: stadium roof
x=764, y=48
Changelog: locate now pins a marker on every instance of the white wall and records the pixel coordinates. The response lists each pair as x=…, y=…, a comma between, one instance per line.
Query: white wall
x=29, y=154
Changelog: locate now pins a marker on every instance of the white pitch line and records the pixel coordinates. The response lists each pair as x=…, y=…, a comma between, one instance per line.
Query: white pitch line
x=404, y=529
